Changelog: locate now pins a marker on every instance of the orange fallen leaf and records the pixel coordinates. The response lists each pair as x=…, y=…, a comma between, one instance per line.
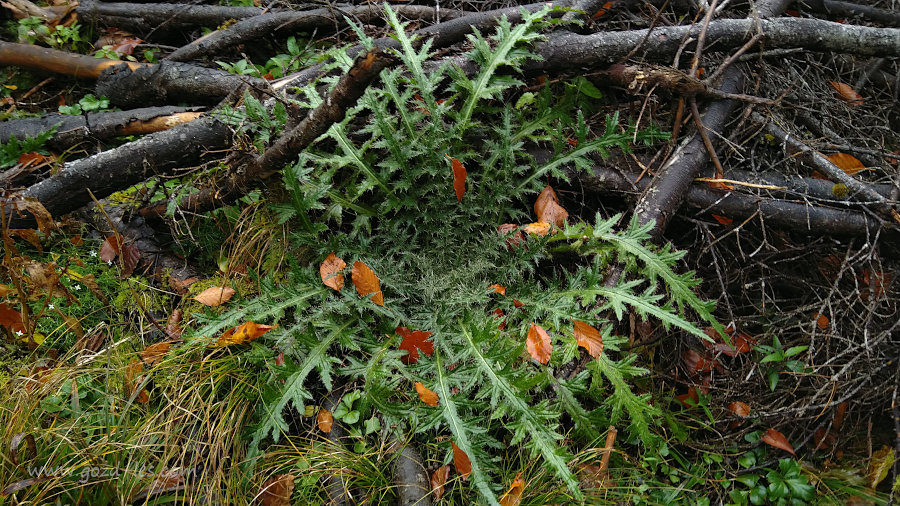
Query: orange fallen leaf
x=413, y=341
x=513, y=496
x=325, y=420
x=154, y=353
x=500, y=315
x=438, y=479
x=243, y=333
x=427, y=396
x=330, y=271
x=821, y=321
x=498, y=289
x=11, y=319
x=776, y=439
x=724, y=220
x=461, y=461
x=739, y=408
x=606, y=7
x=822, y=440
x=548, y=210
x=459, y=178
x=689, y=400
x=277, y=490
x=539, y=228
x=839, y=415
x=133, y=378
x=539, y=344
x=846, y=92
x=366, y=282
x=589, y=338
x=215, y=295
x=847, y=163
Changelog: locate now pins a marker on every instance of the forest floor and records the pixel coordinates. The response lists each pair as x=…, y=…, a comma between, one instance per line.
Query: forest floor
x=457, y=252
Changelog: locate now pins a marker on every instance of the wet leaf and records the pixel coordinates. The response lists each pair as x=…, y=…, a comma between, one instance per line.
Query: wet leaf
x=776, y=439
x=330, y=271
x=846, y=92
x=880, y=466
x=413, y=341
x=548, y=210
x=243, y=333
x=277, y=490
x=461, y=461
x=847, y=163
x=459, y=178
x=513, y=496
x=215, y=295
x=366, y=282
x=325, y=420
x=427, y=396
x=589, y=338
x=539, y=344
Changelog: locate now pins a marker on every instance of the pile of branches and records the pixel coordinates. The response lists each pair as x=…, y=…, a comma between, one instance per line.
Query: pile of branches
x=757, y=95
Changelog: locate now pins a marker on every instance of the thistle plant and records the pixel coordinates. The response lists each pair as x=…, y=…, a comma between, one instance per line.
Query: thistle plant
x=413, y=185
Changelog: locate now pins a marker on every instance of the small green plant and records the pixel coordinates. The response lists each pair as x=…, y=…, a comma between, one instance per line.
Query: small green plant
x=255, y=120
x=782, y=486
x=87, y=103
x=14, y=148
x=778, y=361
x=33, y=30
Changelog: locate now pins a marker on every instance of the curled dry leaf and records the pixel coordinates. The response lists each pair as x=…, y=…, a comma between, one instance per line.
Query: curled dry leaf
x=215, y=295
x=244, y=333
x=366, y=282
x=325, y=420
x=539, y=228
x=548, y=210
x=438, y=479
x=589, y=338
x=330, y=271
x=277, y=490
x=539, y=344
x=776, y=439
x=513, y=496
x=461, y=461
x=427, y=396
x=846, y=92
x=413, y=341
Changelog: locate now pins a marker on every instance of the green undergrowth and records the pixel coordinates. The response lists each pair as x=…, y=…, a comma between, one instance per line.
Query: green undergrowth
x=202, y=423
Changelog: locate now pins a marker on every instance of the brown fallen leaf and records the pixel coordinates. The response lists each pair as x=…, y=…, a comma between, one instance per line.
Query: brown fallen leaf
x=776, y=439
x=741, y=409
x=426, y=395
x=461, y=461
x=846, y=92
x=330, y=271
x=366, y=282
x=821, y=321
x=154, y=353
x=438, y=479
x=325, y=420
x=539, y=344
x=459, y=178
x=515, y=235
x=215, y=295
x=277, y=490
x=498, y=289
x=548, y=210
x=589, y=338
x=847, y=163
x=414, y=341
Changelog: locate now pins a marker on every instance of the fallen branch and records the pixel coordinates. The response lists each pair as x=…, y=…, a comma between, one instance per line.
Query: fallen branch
x=155, y=16
x=110, y=171
x=847, y=9
x=265, y=24
x=71, y=130
x=410, y=478
x=60, y=62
